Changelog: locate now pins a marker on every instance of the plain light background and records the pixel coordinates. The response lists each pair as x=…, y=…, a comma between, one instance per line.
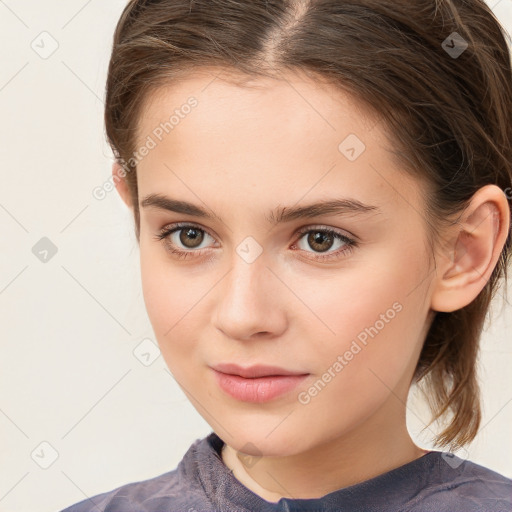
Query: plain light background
x=80, y=413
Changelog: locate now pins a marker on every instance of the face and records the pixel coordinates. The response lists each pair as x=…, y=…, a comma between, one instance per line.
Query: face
x=339, y=297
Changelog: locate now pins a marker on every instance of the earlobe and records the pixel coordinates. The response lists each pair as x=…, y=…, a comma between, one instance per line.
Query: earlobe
x=119, y=178
x=469, y=261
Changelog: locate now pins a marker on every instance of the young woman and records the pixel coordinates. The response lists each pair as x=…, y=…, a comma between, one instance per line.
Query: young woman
x=321, y=192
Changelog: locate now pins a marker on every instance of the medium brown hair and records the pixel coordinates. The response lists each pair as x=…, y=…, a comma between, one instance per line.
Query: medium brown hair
x=450, y=115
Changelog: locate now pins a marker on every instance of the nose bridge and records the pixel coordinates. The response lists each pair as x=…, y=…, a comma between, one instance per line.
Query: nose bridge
x=247, y=299
x=246, y=282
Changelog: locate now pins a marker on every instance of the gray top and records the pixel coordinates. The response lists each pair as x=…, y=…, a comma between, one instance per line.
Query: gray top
x=202, y=482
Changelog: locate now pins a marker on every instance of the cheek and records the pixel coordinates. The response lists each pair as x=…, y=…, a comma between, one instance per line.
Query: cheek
x=372, y=354
x=167, y=301
x=169, y=293
x=177, y=304
x=159, y=293
x=372, y=312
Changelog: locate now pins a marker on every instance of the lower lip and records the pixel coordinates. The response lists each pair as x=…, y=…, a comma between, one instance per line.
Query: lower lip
x=261, y=389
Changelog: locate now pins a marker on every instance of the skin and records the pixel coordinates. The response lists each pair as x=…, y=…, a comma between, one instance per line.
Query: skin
x=242, y=152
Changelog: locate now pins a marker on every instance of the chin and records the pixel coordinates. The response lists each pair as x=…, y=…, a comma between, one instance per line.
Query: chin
x=257, y=438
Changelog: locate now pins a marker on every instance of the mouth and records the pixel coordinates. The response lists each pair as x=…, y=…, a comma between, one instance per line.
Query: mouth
x=255, y=371
x=259, y=383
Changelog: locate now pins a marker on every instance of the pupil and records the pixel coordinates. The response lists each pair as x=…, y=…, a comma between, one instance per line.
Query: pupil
x=317, y=239
x=191, y=234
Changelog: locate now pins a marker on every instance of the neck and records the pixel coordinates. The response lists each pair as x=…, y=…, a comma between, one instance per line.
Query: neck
x=369, y=450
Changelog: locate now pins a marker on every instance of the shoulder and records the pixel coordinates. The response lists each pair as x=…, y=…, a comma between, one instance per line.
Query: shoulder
x=172, y=491
x=133, y=496
x=464, y=485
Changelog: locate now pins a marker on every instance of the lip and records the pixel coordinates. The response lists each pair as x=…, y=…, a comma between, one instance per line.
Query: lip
x=251, y=372
x=259, y=383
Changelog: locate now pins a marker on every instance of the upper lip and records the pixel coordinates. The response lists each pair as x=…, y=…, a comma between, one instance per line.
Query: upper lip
x=251, y=372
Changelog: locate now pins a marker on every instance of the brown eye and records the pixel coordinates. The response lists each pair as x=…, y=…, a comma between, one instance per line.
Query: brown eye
x=184, y=240
x=316, y=241
x=320, y=240
x=191, y=237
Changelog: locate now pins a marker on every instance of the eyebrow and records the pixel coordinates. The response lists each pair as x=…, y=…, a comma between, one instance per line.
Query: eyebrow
x=345, y=206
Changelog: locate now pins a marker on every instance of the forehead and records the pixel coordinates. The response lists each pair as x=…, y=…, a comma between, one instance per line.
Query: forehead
x=225, y=94
x=268, y=135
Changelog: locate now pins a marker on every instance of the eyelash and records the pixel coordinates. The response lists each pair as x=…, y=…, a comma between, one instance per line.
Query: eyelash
x=350, y=244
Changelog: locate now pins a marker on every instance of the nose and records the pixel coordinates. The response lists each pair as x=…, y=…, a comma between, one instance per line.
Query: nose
x=250, y=302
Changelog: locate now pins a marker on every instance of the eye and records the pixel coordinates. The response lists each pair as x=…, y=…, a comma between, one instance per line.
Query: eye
x=183, y=240
x=322, y=239
x=186, y=241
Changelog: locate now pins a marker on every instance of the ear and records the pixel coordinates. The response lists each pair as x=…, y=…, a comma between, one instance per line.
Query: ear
x=465, y=264
x=119, y=178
